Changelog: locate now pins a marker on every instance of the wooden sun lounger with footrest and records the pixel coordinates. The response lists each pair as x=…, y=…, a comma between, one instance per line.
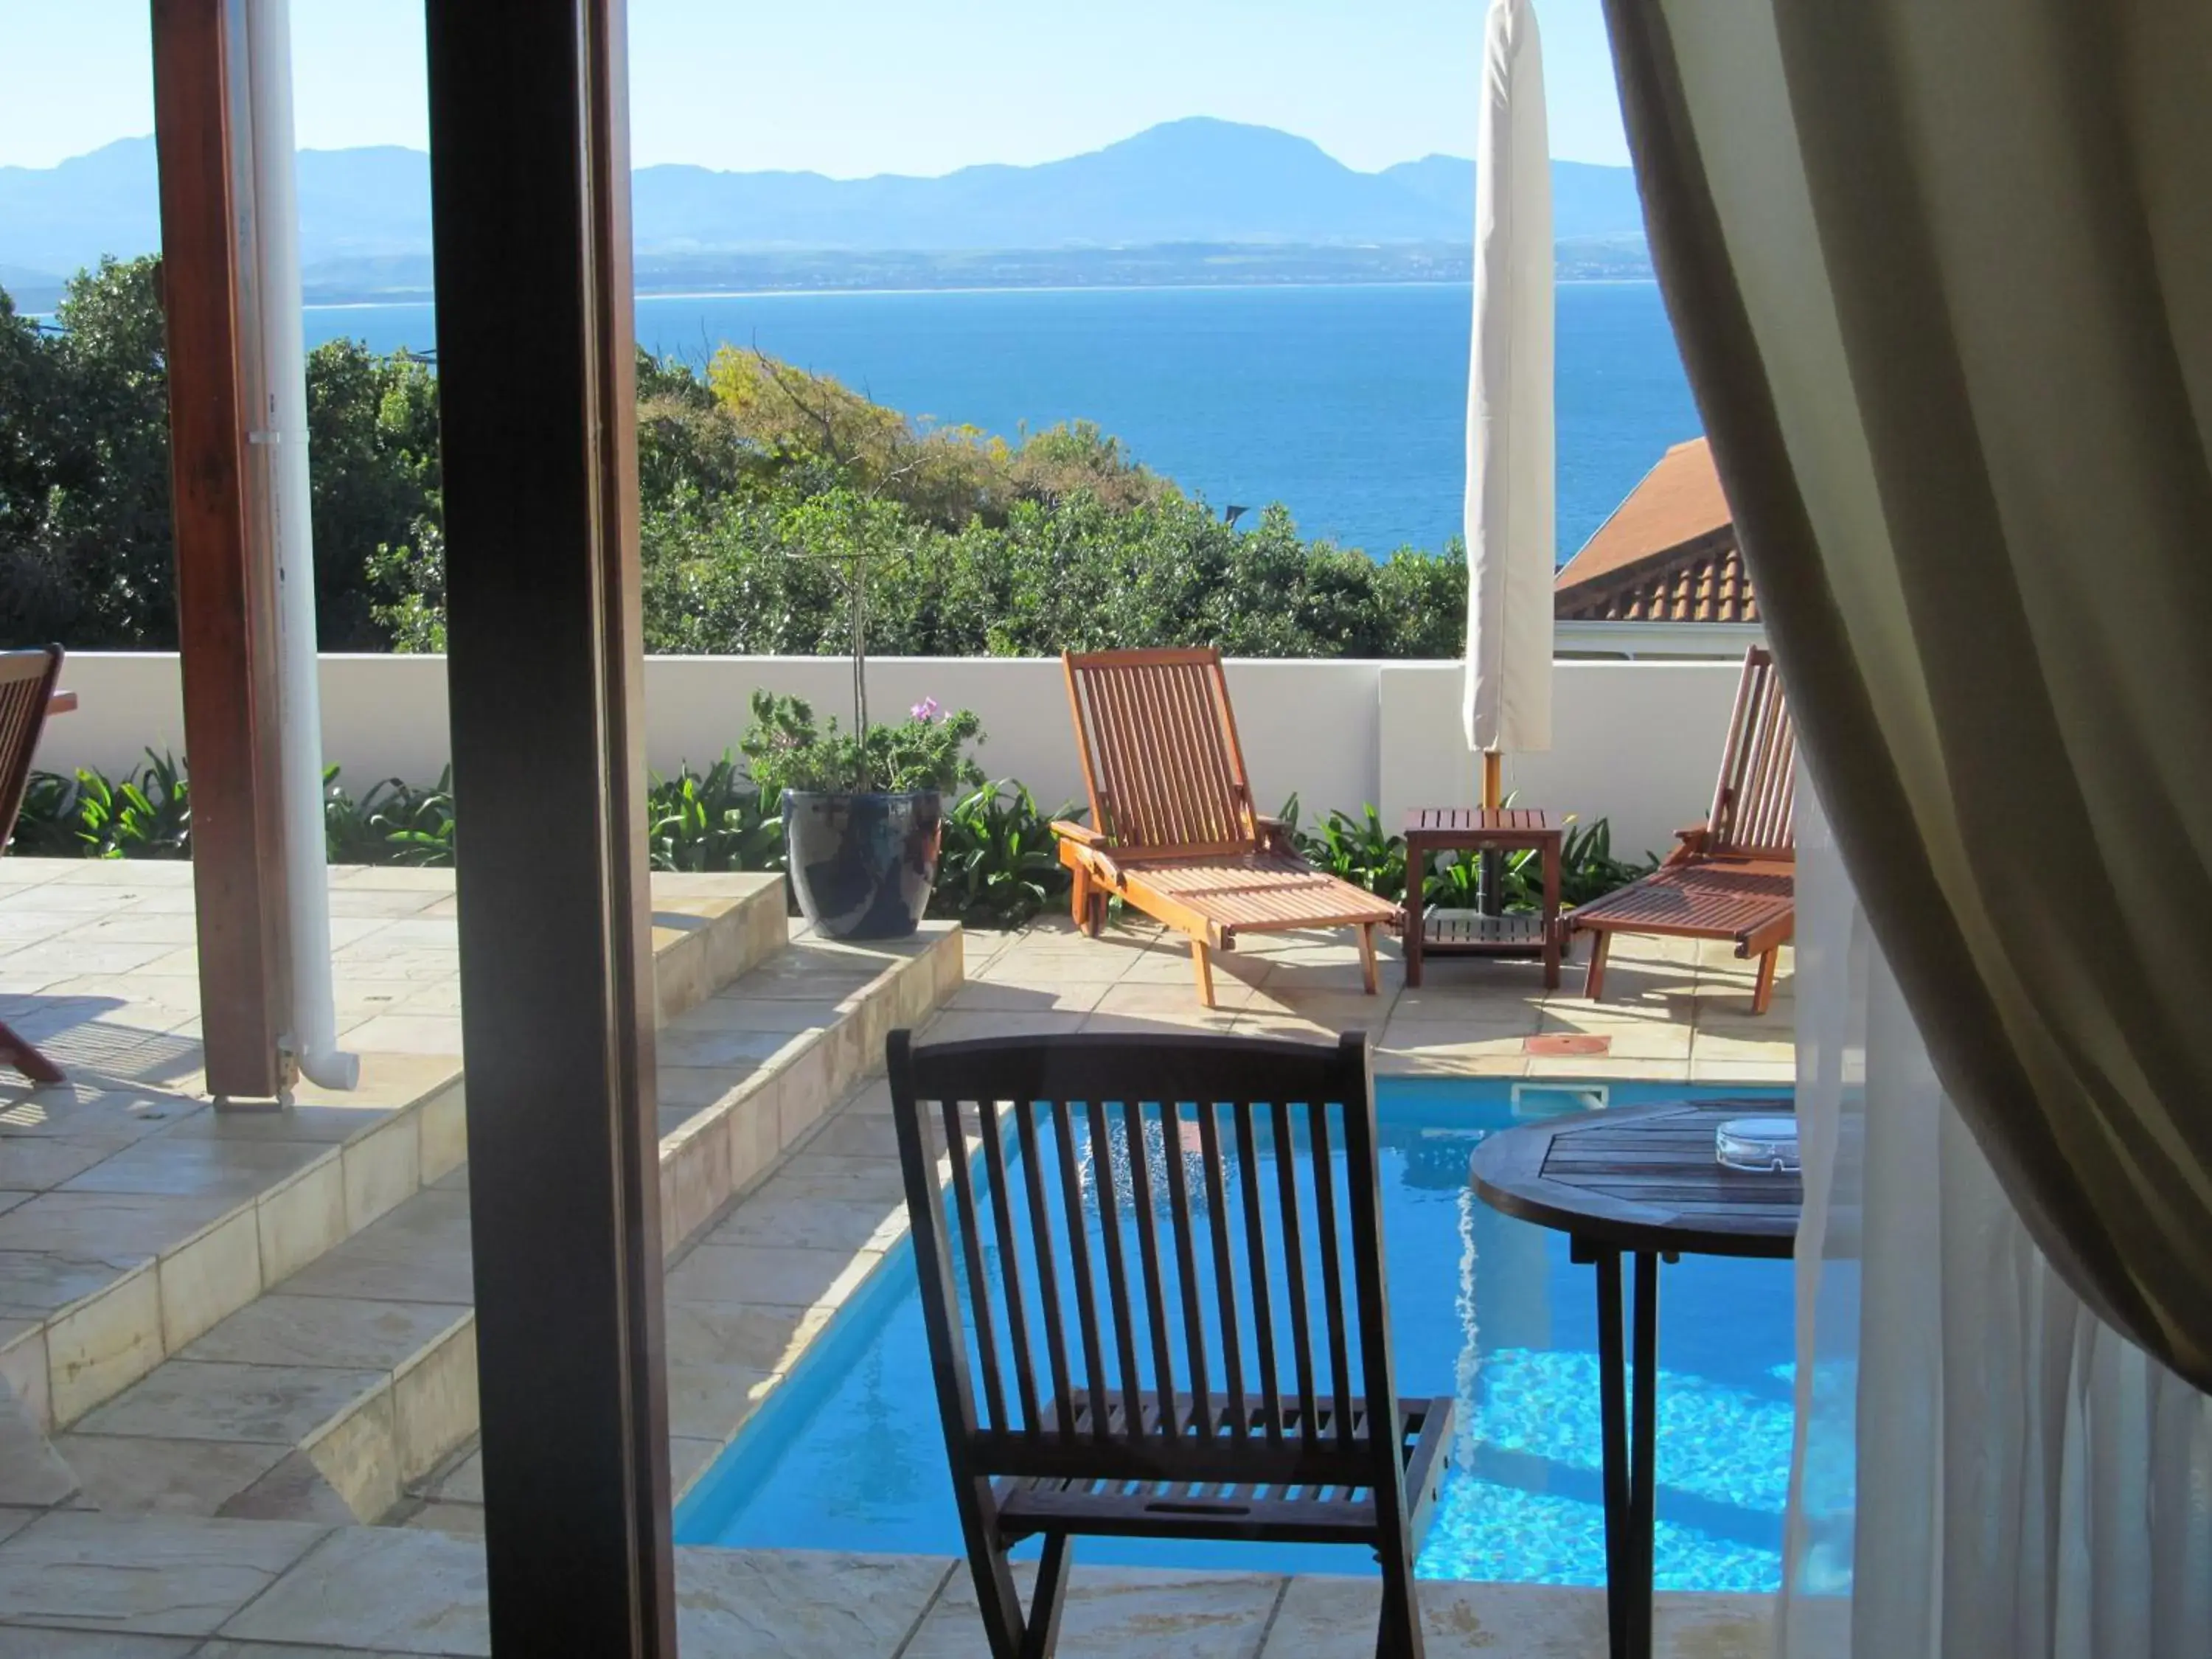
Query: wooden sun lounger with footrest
x=1733, y=877
x=1172, y=829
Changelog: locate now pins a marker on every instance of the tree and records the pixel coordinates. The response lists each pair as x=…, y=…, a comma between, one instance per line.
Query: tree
x=373, y=469
x=87, y=554
x=84, y=532
x=762, y=489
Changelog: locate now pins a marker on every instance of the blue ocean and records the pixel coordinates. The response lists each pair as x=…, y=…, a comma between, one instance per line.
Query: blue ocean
x=1347, y=404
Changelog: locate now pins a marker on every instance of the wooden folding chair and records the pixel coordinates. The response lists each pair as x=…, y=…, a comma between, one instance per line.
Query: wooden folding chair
x=1733, y=877
x=1176, y=1297
x=1172, y=829
x=27, y=686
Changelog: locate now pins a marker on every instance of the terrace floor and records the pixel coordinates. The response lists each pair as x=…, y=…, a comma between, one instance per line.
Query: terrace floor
x=231, y=1339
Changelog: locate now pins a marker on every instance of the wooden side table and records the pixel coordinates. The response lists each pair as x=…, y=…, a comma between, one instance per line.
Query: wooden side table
x=1468, y=932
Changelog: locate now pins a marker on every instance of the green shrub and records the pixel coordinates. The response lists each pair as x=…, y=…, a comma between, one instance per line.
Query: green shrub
x=146, y=814
x=997, y=865
x=1359, y=850
x=718, y=819
x=1020, y=545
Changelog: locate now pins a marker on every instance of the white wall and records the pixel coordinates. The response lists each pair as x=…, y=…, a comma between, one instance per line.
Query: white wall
x=1637, y=742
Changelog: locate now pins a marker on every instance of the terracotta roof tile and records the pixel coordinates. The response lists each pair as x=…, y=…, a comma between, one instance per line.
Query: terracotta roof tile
x=1667, y=554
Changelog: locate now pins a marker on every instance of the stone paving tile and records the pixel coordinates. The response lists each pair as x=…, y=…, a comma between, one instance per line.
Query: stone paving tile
x=125, y=1475
x=807, y=1222
x=345, y=1332
x=756, y=1339
x=465, y=1519
x=734, y=1604
x=1193, y=1016
x=1334, y=1618
x=31, y=1472
x=760, y=1276
x=121, y=1228
x=1121, y=1613
x=321, y=1126
x=418, y=1252
x=39, y=1161
x=76, y=1569
x=205, y=1165
x=685, y=1045
x=1173, y=968
x=78, y=1110
x=189, y=1400
x=27, y=1644
x=463, y=1483
x=1030, y=996
x=293, y=1489
x=959, y=1027
x=37, y=1283
x=407, y=1034
x=381, y=1588
x=711, y=1402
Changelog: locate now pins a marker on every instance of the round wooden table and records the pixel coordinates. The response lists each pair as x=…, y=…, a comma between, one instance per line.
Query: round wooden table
x=1639, y=1180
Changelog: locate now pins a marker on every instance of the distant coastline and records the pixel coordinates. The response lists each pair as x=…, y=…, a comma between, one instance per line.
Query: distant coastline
x=1180, y=265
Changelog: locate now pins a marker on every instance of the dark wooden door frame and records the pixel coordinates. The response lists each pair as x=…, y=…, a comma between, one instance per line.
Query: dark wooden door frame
x=226, y=571
x=530, y=181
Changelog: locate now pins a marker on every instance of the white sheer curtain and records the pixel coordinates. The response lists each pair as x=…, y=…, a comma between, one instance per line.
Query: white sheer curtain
x=1985, y=1470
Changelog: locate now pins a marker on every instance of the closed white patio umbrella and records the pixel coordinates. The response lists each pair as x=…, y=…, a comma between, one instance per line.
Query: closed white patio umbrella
x=1511, y=536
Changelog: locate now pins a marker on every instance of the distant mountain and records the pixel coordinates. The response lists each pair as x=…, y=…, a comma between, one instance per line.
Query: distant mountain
x=1587, y=201
x=1196, y=181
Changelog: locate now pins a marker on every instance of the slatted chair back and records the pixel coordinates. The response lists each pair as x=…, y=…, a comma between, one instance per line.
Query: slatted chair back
x=1165, y=1265
x=27, y=685
x=1755, y=803
x=1160, y=756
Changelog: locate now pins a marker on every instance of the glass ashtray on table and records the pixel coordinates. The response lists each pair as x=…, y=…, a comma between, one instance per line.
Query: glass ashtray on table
x=1764, y=1146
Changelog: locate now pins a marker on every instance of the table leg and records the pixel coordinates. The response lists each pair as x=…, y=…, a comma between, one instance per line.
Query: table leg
x=1551, y=914
x=1417, y=858
x=1612, y=1414
x=1628, y=1412
x=1643, y=1443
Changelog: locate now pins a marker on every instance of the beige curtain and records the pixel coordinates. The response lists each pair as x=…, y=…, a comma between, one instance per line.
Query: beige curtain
x=1941, y=270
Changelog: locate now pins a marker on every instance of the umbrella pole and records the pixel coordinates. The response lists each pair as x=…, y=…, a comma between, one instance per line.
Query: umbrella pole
x=1489, y=894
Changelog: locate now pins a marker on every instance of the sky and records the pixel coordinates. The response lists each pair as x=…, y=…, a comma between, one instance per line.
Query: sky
x=851, y=88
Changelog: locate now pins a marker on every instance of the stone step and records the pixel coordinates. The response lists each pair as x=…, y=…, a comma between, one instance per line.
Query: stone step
x=356, y=1376
x=170, y=1216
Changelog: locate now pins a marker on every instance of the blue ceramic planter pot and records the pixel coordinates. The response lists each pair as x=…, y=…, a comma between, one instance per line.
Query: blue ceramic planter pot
x=862, y=866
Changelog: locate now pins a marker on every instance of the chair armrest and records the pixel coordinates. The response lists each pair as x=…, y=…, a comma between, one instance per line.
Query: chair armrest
x=1081, y=833
x=1274, y=834
x=1693, y=844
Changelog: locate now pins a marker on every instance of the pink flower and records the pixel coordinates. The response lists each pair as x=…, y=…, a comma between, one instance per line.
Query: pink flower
x=924, y=711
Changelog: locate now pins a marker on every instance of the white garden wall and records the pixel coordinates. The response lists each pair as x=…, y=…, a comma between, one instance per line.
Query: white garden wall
x=1637, y=742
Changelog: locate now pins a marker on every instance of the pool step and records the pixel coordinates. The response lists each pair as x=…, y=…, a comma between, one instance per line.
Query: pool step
x=353, y=1158
x=356, y=1376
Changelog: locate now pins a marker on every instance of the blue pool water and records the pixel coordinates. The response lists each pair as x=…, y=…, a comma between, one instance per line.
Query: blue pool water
x=847, y=1453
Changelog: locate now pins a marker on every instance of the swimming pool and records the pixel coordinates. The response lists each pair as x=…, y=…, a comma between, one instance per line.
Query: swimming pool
x=847, y=1453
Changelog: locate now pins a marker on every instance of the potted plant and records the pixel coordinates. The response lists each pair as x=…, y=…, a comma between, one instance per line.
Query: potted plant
x=864, y=809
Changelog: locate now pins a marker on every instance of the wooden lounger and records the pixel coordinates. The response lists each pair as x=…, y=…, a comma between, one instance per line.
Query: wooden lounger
x=1733, y=877
x=1172, y=829
x=26, y=688
x=1199, y=1339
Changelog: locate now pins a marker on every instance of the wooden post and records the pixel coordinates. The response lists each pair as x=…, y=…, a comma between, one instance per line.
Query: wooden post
x=1490, y=895
x=226, y=592
x=530, y=181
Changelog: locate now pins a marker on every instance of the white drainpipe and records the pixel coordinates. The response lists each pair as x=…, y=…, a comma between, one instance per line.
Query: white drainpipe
x=284, y=438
